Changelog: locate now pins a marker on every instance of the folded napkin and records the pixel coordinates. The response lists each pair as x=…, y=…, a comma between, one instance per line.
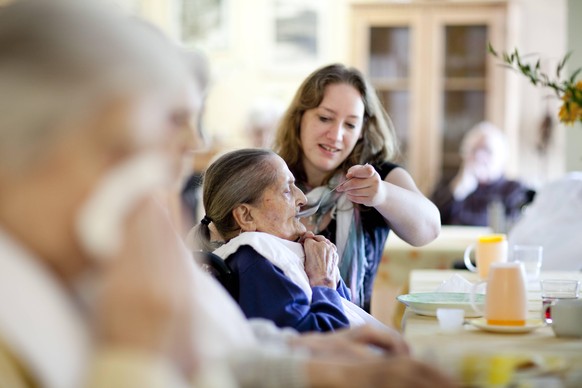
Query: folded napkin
x=457, y=283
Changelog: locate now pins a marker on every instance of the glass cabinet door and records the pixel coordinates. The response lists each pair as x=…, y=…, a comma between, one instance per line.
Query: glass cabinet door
x=463, y=93
x=389, y=71
x=389, y=53
x=430, y=67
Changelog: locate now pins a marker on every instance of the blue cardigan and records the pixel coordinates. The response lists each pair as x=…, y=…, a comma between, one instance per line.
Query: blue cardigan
x=266, y=292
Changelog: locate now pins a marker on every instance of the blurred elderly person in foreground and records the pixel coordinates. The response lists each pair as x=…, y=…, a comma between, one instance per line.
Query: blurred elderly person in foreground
x=88, y=99
x=480, y=181
x=96, y=288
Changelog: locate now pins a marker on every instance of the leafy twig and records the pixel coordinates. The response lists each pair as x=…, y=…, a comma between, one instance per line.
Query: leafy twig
x=569, y=90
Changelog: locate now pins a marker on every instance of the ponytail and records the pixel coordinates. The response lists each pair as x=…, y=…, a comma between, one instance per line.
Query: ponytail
x=201, y=236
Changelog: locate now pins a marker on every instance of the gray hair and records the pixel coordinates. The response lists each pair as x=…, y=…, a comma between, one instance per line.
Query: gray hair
x=236, y=178
x=199, y=67
x=61, y=59
x=488, y=130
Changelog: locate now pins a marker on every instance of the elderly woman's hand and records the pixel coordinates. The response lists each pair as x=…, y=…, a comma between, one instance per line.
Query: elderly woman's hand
x=386, y=340
x=146, y=303
x=359, y=342
x=382, y=372
x=465, y=182
x=320, y=260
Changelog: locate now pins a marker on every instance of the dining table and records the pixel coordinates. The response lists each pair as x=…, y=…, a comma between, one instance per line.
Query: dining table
x=399, y=258
x=477, y=358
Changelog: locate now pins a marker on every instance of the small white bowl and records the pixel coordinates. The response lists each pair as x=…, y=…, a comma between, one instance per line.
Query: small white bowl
x=450, y=320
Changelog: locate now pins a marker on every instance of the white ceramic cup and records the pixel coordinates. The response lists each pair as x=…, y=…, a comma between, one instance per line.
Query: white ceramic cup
x=567, y=317
x=450, y=320
x=557, y=289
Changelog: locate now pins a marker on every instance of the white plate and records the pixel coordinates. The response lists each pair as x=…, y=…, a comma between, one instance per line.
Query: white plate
x=530, y=325
x=426, y=303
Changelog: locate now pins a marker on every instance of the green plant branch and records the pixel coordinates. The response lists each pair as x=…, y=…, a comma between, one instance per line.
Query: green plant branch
x=568, y=90
x=533, y=72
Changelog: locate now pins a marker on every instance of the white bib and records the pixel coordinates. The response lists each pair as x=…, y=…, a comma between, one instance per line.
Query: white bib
x=289, y=257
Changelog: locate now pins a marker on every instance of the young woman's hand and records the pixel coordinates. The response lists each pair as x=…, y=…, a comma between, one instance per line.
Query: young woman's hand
x=413, y=217
x=365, y=187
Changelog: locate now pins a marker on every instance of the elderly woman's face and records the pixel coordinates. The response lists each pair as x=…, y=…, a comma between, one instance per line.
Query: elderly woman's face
x=275, y=212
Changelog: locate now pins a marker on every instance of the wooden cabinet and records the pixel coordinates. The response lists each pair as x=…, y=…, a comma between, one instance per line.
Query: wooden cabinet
x=430, y=66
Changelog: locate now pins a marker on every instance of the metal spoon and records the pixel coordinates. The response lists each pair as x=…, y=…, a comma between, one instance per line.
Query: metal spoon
x=312, y=210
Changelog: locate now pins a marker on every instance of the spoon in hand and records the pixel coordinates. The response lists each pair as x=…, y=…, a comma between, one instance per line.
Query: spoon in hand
x=312, y=210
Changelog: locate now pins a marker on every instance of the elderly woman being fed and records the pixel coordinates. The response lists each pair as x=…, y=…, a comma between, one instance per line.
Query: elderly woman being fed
x=284, y=274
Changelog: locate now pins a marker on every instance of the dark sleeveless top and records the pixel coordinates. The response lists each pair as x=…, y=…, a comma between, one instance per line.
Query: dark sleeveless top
x=375, y=234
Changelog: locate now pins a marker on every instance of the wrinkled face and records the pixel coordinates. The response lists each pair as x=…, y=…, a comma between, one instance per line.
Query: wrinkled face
x=181, y=136
x=165, y=122
x=487, y=159
x=330, y=131
x=275, y=213
x=138, y=139
x=76, y=172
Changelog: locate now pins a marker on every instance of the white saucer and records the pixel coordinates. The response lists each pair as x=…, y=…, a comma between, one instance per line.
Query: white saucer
x=530, y=325
x=427, y=303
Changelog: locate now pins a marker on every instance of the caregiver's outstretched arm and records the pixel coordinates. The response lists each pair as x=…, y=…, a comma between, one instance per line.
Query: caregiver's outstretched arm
x=412, y=216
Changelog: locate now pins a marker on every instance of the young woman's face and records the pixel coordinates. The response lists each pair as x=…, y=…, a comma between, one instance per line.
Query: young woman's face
x=330, y=131
x=276, y=211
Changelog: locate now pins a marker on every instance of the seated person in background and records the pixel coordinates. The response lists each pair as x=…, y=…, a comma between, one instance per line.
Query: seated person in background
x=480, y=181
x=554, y=221
x=262, y=120
x=284, y=274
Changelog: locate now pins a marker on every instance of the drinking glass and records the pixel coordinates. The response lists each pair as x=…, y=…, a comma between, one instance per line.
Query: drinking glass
x=554, y=289
x=531, y=258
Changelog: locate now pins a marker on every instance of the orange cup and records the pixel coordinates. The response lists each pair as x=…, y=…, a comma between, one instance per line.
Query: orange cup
x=506, y=299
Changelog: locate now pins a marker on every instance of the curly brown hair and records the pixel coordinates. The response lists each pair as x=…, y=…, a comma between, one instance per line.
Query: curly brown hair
x=378, y=142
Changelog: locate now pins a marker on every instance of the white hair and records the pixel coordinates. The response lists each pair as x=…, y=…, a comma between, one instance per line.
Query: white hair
x=62, y=59
x=265, y=113
x=488, y=130
x=199, y=67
